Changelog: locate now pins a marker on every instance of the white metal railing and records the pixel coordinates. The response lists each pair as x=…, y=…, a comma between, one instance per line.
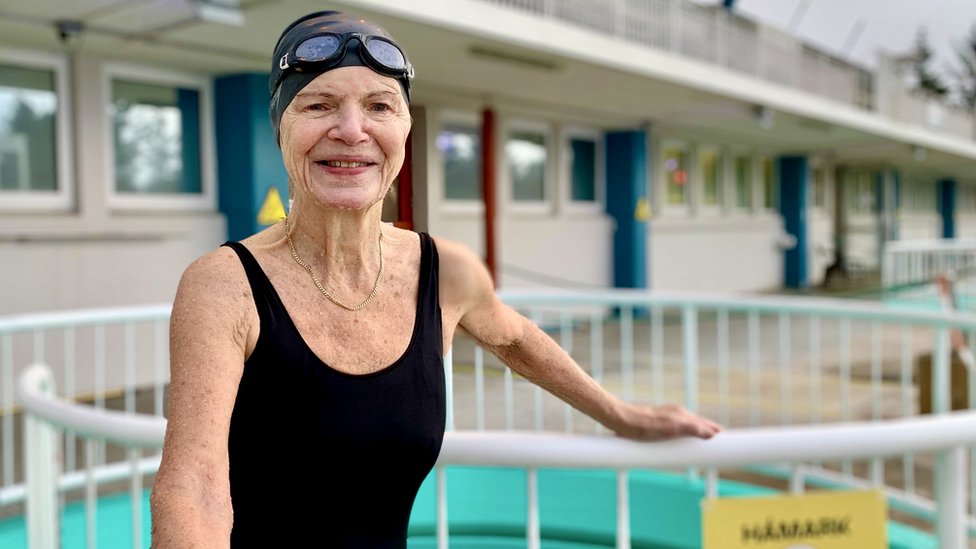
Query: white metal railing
x=910, y=268
x=98, y=353
x=532, y=451
x=712, y=35
x=751, y=362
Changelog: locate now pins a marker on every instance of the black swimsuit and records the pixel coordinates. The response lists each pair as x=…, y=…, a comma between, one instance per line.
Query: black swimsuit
x=321, y=458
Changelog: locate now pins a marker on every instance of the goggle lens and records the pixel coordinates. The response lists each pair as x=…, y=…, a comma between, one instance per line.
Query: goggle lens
x=386, y=54
x=318, y=48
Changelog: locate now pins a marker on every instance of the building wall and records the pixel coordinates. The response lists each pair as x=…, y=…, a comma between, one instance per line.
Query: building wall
x=822, y=244
x=100, y=250
x=717, y=255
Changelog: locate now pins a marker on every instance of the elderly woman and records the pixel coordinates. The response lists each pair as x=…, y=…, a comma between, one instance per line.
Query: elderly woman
x=307, y=398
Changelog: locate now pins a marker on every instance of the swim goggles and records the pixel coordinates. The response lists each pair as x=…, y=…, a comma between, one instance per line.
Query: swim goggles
x=322, y=52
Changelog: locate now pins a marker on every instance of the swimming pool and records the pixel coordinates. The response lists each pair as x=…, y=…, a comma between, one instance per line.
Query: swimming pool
x=488, y=509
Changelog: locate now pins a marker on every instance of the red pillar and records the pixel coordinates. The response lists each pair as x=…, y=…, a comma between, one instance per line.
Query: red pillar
x=405, y=189
x=488, y=190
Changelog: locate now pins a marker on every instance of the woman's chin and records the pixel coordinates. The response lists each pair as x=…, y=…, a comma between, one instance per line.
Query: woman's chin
x=350, y=202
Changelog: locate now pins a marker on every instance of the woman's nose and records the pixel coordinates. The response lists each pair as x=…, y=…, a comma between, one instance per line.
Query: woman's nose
x=350, y=127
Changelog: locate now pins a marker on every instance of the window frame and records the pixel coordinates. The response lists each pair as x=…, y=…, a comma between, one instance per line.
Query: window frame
x=733, y=207
x=760, y=182
x=702, y=208
x=63, y=197
x=667, y=209
x=455, y=205
x=206, y=200
x=829, y=173
x=598, y=204
x=547, y=204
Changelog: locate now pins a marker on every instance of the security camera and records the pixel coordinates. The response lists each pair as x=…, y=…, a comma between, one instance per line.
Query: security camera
x=69, y=31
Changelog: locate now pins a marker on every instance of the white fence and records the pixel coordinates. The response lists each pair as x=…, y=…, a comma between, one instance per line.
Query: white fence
x=836, y=375
x=910, y=268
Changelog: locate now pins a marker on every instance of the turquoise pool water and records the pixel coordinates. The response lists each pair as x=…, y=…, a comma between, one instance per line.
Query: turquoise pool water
x=487, y=510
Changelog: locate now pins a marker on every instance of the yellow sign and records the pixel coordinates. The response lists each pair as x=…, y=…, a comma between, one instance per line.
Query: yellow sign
x=272, y=210
x=642, y=211
x=819, y=520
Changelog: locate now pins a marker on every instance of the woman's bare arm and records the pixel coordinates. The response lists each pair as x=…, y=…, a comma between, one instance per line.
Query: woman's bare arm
x=210, y=330
x=528, y=350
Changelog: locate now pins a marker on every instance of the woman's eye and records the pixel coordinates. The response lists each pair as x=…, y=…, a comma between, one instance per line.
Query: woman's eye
x=380, y=107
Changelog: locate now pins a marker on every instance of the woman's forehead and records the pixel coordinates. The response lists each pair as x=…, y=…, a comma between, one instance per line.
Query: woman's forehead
x=351, y=80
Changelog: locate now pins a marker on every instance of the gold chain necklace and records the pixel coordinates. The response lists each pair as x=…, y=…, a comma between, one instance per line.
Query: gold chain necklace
x=315, y=279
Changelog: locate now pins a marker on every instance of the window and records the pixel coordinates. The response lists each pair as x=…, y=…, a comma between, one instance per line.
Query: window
x=966, y=200
x=460, y=148
x=860, y=191
x=768, y=183
x=34, y=156
x=525, y=152
x=159, y=137
x=743, y=182
x=920, y=196
x=583, y=169
x=584, y=165
x=709, y=166
x=675, y=175
x=157, y=140
x=818, y=176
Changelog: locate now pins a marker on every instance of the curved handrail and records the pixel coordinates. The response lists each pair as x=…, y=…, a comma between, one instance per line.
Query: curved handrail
x=821, y=306
x=731, y=448
x=83, y=317
x=122, y=428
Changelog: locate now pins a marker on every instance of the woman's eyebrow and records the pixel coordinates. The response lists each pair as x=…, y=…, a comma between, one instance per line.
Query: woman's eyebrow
x=381, y=93
x=317, y=94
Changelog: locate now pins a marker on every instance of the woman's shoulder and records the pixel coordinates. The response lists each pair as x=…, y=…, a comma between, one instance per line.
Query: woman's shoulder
x=216, y=278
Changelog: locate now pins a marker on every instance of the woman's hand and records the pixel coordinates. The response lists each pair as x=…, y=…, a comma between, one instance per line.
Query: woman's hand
x=647, y=423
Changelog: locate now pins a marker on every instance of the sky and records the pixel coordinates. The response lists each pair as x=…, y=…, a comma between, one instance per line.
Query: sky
x=889, y=25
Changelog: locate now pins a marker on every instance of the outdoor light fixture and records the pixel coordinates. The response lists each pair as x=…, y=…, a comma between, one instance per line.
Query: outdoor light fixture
x=225, y=12
x=765, y=117
x=919, y=153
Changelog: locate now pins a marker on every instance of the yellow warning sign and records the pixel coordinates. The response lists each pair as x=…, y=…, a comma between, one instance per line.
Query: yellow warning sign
x=820, y=520
x=642, y=212
x=272, y=210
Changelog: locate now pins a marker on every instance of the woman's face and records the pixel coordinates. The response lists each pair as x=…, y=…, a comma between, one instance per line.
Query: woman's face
x=343, y=138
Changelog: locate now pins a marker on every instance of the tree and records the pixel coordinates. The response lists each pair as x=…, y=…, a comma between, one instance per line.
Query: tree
x=964, y=77
x=925, y=79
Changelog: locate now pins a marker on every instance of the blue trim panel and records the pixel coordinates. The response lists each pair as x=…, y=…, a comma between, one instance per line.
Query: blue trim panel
x=248, y=159
x=793, y=175
x=947, y=190
x=626, y=169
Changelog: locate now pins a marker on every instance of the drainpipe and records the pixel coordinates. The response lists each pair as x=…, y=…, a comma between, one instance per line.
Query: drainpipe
x=488, y=190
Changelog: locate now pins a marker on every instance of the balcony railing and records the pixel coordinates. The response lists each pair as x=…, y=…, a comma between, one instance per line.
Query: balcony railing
x=713, y=35
x=791, y=364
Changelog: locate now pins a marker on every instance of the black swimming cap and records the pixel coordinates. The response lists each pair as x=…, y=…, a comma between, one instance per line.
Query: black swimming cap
x=285, y=83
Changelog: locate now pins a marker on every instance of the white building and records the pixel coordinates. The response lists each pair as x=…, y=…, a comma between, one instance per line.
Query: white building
x=652, y=143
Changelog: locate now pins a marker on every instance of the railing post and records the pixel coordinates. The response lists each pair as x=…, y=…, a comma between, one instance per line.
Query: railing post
x=449, y=388
x=689, y=317
x=41, y=459
x=951, y=482
x=623, y=510
x=674, y=30
x=443, y=536
x=533, y=531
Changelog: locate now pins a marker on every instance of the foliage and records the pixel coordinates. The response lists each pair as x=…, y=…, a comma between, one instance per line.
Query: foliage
x=925, y=79
x=964, y=77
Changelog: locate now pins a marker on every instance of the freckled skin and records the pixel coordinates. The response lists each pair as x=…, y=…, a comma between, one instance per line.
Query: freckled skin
x=354, y=115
